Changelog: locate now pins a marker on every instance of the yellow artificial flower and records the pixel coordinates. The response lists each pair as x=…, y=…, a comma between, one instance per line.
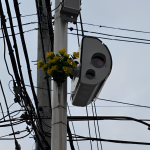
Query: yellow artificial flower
x=49, y=61
x=49, y=54
x=54, y=67
x=57, y=58
x=39, y=64
x=69, y=60
x=44, y=67
x=49, y=71
x=54, y=60
x=67, y=70
x=67, y=55
x=76, y=54
x=62, y=51
x=74, y=64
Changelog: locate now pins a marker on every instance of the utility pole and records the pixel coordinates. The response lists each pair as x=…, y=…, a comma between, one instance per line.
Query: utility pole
x=43, y=94
x=59, y=102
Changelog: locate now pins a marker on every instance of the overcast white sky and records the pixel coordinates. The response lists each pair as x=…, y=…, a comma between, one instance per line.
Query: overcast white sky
x=129, y=80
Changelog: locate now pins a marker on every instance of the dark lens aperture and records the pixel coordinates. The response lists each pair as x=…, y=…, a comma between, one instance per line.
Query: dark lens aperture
x=90, y=74
x=98, y=61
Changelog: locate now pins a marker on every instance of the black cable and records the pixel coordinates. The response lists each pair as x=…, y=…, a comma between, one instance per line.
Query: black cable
x=25, y=53
x=5, y=57
x=98, y=126
x=50, y=25
x=89, y=127
x=56, y=7
x=95, y=127
x=43, y=50
x=23, y=32
x=7, y=106
x=81, y=25
x=28, y=66
x=123, y=103
x=11, y=105
x=113, y=39
x=10, y=88
x=70, y=136
x=2, y=111
x=10, y=113
x=110, y=35
x=16, y=51
x=112, y=141
x=92, y=24
x=77, y=34
x=114, y=28
x=107, y=106
x=22, y=24
x=13, y=61
x=73, y=128
x=23, y=16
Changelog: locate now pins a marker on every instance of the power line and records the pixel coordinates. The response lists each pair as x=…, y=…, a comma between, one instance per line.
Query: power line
x=73, y=128
x=123, y=103
x=23, y=24
x=24, y=16
x=98, y=126
x=89, y=128
x=95, y=127
x=112, y=141
x=23, y=32
x=101, y=26
x=113, y=39
x=71, y=28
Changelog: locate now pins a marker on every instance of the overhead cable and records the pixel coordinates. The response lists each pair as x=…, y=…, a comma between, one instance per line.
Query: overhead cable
x=101, y=26
x=113, y=39
x=110, y=35
x=123, y=103
x=82, y=138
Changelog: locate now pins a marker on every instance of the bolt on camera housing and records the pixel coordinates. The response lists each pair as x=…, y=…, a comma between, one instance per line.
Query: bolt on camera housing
x=92, y=72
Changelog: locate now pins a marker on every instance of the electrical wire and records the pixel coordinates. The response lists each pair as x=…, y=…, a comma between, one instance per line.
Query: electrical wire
x=73, y=127
x=29, y=23
x=81, y=25
x=23, y=32
x=123, y=103
x=23, y=16
x=77, y=34
x=5, y=56
x=112, y=141
x=95, y=127
x=71, y=28
x=98, y=126
x=89, y=128
x=113, y=39
x=2, y=111
x=43, y=50
x=7, y=106
x=101, y=26
x=10, y=88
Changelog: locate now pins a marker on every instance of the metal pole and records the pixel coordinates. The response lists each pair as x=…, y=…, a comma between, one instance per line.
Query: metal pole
x=59, y=101
x=42, y=94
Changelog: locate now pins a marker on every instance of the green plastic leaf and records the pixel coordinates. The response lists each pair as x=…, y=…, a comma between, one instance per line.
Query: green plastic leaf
x=46, y=77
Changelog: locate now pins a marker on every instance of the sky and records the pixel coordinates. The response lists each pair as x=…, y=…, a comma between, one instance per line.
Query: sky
x=128, y=82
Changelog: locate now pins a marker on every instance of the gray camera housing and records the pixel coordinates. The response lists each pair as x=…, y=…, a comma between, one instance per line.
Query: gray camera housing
x=83, y=89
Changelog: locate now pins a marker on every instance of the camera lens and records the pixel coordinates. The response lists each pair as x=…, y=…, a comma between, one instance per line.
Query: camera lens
x=98, y=60
x=90, y=74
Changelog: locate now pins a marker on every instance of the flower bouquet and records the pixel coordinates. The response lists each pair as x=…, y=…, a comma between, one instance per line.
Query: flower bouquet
x=59, y=65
